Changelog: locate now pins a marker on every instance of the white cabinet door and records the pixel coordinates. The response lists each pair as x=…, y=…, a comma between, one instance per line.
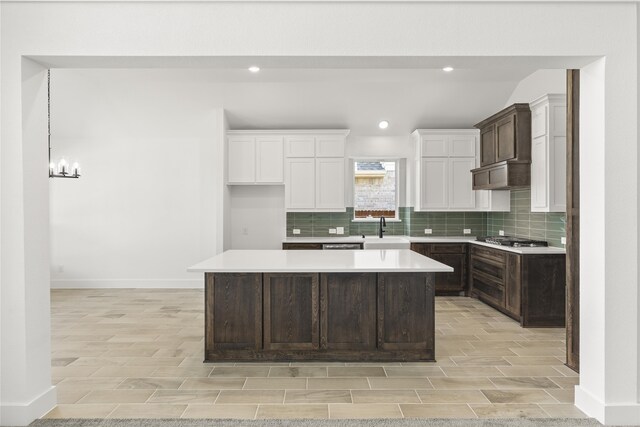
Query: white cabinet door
x=242, y=167
x=269, y=160
x=460, y=193
x=434, y=188
x=462, y=146
x=539, y=173
x=300, y=183
x=435, y=146
x=329, y=146
x=548, y=154
x=330, y=183
x=300, y=146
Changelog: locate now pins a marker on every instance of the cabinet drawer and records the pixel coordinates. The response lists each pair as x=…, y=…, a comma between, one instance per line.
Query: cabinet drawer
x=315, y=246
x=488, y=253
x=488, y=288
x=448, y=248
x=489, y=268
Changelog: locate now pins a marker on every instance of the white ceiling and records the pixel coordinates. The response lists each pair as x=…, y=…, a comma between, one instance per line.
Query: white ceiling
x=301, y=93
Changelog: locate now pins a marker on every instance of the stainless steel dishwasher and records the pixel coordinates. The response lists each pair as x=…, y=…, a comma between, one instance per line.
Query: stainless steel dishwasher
x=341, y=246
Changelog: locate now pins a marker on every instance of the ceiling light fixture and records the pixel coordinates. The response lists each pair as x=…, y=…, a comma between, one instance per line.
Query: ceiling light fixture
x=447, y=69
x=383, y=124
x=254, y=69
x=62, y=169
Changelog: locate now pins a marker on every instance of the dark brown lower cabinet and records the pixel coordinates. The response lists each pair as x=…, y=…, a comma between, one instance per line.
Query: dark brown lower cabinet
x=529, y=288
x=319, y=316
x=406, y=312
x=291, y=312
x=348, y=311
x=233, y=311
x=452, y=254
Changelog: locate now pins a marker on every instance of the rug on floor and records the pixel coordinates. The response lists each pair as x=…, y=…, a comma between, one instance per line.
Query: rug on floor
x=430, y=422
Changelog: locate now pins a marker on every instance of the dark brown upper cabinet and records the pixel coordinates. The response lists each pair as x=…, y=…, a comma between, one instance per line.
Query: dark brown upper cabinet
x=505, y=150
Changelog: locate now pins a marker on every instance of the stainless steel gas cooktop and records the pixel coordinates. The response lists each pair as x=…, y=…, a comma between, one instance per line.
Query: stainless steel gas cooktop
x=516, y=242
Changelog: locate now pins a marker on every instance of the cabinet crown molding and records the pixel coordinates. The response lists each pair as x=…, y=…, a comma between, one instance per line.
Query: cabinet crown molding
x=418, y=132
x=285, y=132
x=549, y=97
x=511, y=109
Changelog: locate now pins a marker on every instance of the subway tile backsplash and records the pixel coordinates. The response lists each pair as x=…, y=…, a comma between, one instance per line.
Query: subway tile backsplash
x=519, y=222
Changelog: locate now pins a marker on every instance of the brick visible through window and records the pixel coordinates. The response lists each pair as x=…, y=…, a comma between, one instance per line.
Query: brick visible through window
x=375, y=189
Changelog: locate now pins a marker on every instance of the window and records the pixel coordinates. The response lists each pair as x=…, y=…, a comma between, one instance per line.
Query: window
x=375, y=189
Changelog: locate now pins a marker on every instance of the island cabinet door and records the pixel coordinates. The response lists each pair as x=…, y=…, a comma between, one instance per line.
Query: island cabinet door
x=348, y=311
x=406, y=312
x=233, y=314
x=291, y=308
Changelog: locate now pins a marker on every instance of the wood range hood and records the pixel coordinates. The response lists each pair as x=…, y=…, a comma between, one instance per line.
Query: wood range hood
x=505, y=150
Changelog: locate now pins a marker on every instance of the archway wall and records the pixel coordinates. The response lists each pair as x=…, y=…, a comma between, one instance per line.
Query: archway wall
x=380, y=30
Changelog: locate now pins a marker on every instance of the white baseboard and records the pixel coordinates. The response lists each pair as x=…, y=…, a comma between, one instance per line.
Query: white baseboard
x=22, y=414
x=627, y=414
x=129, y=283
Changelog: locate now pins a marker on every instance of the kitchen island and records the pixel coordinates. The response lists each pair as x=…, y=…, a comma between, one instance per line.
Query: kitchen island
x=349, y=305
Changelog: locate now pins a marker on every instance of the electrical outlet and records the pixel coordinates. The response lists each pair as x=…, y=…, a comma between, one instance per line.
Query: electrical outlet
x=340, y=230
x=466, y=231
x=332, y=231
x=563, y=240
x=428, y=231
x=296, y=231
x=501, y=232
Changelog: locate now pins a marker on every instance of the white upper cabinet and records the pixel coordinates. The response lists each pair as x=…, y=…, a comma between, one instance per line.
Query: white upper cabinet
x=314, y=170
x=300, y=179
x=460, y=194
x=330, y=146
x=330, y=183
x=300, y=146
x=435, y=145
x=242, y=168
x=548, y=154
x=269, y=160
x=462, y=145
x=434, y=187
x=444, y=160
x=254, y=159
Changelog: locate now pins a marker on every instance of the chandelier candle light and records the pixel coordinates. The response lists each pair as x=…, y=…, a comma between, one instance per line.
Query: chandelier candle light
x=62, y=169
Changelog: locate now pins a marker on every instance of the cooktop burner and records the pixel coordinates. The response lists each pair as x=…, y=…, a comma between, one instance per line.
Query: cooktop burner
x=511, y=241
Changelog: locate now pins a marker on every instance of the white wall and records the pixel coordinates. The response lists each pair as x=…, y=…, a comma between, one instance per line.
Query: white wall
x=545, y=30
x=257, y=216
x=538, y=84
x=144, y=208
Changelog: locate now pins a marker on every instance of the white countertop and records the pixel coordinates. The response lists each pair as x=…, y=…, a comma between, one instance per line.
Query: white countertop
x=540, y=250
x=431, y=239
x=319, y=261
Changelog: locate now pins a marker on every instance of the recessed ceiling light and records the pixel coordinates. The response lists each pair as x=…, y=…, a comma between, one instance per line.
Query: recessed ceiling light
x=254, y=69
x=383, y=124
x=448, y=69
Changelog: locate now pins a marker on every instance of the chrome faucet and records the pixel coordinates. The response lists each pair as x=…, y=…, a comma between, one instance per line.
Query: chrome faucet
x=383, y=223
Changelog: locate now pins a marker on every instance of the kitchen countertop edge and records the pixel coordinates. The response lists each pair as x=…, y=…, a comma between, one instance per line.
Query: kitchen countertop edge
x=540, y=250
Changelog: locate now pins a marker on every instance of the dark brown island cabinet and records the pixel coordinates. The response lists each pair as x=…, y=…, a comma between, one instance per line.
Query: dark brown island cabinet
x=452, y=254
x=319, y=316
x=529, y=288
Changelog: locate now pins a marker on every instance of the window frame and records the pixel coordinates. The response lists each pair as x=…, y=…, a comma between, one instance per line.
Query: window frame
x=397, y=162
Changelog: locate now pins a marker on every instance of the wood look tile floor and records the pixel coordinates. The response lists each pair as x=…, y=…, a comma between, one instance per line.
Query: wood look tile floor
x=123, y=353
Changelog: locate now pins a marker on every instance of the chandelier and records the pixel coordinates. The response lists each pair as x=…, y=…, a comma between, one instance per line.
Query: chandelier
x=61, y=169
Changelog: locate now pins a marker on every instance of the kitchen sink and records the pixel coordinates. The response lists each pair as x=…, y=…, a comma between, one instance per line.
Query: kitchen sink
x=391, y=242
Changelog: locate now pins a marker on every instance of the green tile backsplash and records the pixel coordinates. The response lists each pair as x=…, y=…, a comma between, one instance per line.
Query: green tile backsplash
x=519, y=222
x=447, y=223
